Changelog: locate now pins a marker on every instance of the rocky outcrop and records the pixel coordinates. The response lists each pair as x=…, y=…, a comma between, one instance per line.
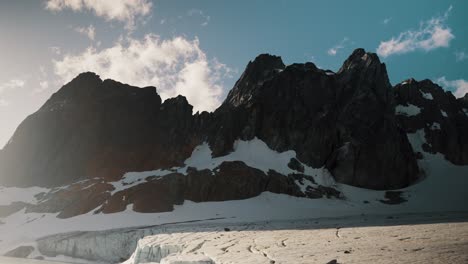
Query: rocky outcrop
x=93, y=128
x=20, y=252
x=347, y=122
x=343, y=121
x=373, y=152
x=229, y=181
x=442, y=117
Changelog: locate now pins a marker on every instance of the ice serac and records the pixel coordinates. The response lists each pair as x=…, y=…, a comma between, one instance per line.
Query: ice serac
x=443, y=118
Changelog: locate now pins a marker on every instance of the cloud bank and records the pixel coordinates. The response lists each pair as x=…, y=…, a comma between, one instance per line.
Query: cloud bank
x=175, y=66
x=432, y=34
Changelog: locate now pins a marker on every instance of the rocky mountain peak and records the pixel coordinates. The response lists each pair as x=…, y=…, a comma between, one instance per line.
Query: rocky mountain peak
x=257, y=72
x=364, y=76
x=347, y=122
x=78, y=88
x=265, y=62
x=360, y=59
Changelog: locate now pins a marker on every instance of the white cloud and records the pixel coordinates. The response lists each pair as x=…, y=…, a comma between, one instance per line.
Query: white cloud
x=431, y=34
x=43, y=86
x=387, y=20
x=11, y=84
x=458, y=87
x=197, y=12
x=55, y=50
x=334, y=50
x=126, y=11
x=89, y=31
x=461, y=56
x=175, y=66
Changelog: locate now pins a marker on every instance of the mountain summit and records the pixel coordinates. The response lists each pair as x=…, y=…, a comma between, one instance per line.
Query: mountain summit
x=351, y=127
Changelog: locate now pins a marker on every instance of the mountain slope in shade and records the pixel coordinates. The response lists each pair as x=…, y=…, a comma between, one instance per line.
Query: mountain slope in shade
x=92, y=128
x=102, y=146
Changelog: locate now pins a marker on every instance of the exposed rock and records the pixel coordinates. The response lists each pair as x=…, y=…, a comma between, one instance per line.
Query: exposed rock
x=372, y=151
x=229, y=181
x=6, y=210
x=20, y=252
x=442, y=117
x=393, y=197
x=93, y=128
x=345, y=122
x=294, y=164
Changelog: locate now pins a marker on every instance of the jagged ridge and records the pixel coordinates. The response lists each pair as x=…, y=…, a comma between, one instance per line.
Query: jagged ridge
x=344, y=121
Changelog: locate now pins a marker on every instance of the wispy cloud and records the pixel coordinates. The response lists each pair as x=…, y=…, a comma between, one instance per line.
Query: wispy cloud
x=458, y=87
x=432, y=34
x=335, y=49
x=461, y=56
x=387, y=20
x=126, y=11
x=9, y=85
x=89, y=31
x=55, y=50
x=198, y=12
x=175, y=66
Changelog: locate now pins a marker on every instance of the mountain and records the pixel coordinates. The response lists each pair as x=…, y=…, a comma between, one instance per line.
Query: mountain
x=99, y=145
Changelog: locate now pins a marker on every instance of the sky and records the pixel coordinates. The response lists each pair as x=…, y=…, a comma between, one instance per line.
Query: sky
x=199, y=48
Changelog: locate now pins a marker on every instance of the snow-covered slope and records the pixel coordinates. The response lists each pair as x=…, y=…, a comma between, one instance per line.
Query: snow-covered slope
x=429, y=195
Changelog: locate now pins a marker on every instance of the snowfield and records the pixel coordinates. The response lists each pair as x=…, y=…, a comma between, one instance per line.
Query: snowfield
x=428, y=196
x=409, y=110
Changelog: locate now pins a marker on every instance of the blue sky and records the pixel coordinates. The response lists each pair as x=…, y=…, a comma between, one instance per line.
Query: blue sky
x=200, y=48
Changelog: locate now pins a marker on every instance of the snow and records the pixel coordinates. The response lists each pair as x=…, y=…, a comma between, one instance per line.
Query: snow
x=347, y=240
x=444, y=114
x=131, y=179
x=410, y=110
x=427, y=96
x=435, y=126
x=9, y=195
x=443, y=189
x=187, y=259
x=254, y=153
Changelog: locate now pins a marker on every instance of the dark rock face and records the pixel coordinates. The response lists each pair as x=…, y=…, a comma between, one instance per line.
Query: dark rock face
x=229, y=181
x=344, y=122
x=94, y=128
x=373, y=152
x=20, y=252
x=6, y=210
x=443, y=118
